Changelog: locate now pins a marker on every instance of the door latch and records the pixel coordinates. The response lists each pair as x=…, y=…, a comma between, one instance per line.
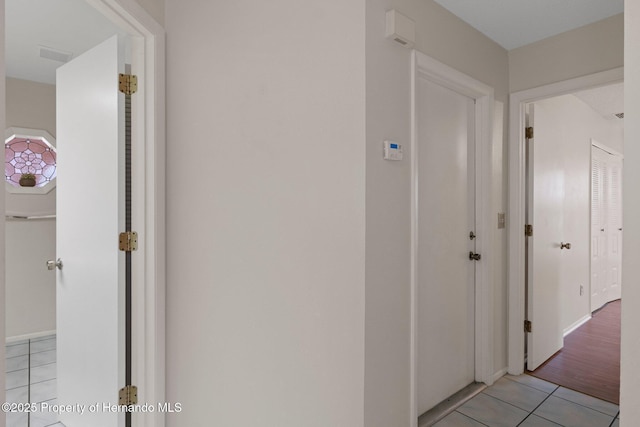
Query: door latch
x=474, y=256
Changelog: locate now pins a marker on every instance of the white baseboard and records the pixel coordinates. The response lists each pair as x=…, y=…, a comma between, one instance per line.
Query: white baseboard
x=501, y=373
x=576, y=325
x=32, y=336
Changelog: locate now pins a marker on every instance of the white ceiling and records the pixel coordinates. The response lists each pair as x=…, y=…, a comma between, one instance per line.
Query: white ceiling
x=63, y=25
x=515, y=23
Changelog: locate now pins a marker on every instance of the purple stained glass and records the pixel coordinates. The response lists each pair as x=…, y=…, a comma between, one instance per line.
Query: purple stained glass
x=29, y=155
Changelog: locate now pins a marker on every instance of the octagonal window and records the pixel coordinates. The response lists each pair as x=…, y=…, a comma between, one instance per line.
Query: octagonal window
x=31, y=152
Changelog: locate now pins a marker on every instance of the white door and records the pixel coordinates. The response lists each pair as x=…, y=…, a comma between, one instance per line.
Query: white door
x=90, y=210
x=599, y=220
x=446, y=216
x=545, y=194
x=614, y=227
x=606, y=227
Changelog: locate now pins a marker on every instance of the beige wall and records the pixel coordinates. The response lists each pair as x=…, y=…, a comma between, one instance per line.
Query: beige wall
x=630, y=368
x=580, y=52
x=155, y=8
x=30, y=287
x=265, y=212
x=446, y=38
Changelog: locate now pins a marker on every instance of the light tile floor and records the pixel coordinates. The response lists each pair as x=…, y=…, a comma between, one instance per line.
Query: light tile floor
x=527, y=401
x=31, y=377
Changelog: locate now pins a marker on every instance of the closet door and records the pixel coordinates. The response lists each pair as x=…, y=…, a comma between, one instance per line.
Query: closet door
x=606, y=227
x=614, y=225
x=598, y=229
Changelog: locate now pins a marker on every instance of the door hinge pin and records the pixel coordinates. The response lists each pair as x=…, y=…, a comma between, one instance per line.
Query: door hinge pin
x=528, y=230
x=128, y=395
x=528, y=132
x=527, y=326
x=128, y=83
x=128, y=241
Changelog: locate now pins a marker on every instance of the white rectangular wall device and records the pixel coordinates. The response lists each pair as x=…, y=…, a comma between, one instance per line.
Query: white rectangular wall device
x=400, y=29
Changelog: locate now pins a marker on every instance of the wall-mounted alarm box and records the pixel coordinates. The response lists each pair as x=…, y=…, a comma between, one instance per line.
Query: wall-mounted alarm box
x=392, y=150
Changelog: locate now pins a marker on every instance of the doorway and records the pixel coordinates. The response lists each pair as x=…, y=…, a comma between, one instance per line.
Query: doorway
x=569, y=317
x=147, y=180
x=560, y=213
x=452, y=148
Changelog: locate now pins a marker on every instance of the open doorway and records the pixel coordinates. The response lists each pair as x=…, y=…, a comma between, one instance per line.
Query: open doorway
x=77, y=27
x=558, y=310
x=563, y=134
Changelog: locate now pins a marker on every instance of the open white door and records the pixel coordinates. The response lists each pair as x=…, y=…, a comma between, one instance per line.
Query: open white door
x=90, y=215
x=545, y=194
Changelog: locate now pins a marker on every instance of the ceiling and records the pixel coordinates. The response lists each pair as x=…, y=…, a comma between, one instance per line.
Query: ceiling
x=607, y=101
x=62, y=27
x=515, y=23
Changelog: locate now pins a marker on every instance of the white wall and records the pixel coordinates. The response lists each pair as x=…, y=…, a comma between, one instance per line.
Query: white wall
x=30, y=287
x=265, y=212
x=573, y=124
x=586, y=50
x=446, y=38
x=630, y=368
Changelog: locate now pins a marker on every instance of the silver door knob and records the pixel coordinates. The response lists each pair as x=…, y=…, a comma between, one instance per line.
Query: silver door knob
x=565, y=245
x=51, y=264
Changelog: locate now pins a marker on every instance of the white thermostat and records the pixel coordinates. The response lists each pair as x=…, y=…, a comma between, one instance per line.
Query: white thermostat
x=392, y=150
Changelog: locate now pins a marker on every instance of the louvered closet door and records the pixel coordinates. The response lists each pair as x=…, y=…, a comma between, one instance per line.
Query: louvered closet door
x=598, y=229
x=606, y=227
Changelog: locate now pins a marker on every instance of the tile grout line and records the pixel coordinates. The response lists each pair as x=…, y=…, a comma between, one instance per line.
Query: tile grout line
x=589, y=407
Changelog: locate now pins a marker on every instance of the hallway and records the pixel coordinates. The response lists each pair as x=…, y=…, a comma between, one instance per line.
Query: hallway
x=526, y=401
x=590, y=359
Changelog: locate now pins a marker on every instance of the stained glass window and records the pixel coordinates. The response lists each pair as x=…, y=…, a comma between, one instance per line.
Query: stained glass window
x=29, y=154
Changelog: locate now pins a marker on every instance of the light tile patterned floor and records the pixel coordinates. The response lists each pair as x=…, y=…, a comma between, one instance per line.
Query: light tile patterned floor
x=526, y=401
x=31, y=377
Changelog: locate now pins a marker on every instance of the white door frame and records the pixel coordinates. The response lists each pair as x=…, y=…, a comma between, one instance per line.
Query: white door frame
x=517, y=195
x=437, y=72
x=148, y=139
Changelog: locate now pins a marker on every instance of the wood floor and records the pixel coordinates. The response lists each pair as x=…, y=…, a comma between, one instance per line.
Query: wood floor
x=590, y=360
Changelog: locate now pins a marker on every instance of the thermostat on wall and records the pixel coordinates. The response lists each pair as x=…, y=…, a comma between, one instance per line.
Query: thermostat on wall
x=392, y=150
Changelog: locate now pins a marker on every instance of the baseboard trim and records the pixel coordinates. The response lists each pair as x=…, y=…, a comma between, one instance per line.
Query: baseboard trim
x=32, y=336
x=501, y=373
x=576, y=325
x=449, y=405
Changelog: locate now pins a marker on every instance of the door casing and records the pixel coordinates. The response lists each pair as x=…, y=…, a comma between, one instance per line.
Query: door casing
x=148, y=140
x=517, y=196
x=424, y=66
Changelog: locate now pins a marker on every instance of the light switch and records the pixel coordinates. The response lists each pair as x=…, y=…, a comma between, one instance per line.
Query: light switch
x=501, y=220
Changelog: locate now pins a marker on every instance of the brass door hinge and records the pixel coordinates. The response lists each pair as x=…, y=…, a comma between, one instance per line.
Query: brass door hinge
x=128, y=83
x=527, y=326
x=128, y=241
x=528, y=230
x=128, y=395
x=528, y=132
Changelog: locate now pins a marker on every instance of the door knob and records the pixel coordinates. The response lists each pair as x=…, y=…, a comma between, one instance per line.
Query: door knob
x=51, y=264
x=565, y=245
x=474, y=257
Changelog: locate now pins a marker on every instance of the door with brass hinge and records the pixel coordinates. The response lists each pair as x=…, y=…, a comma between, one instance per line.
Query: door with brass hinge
x=93, y=208
x=544, y=231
